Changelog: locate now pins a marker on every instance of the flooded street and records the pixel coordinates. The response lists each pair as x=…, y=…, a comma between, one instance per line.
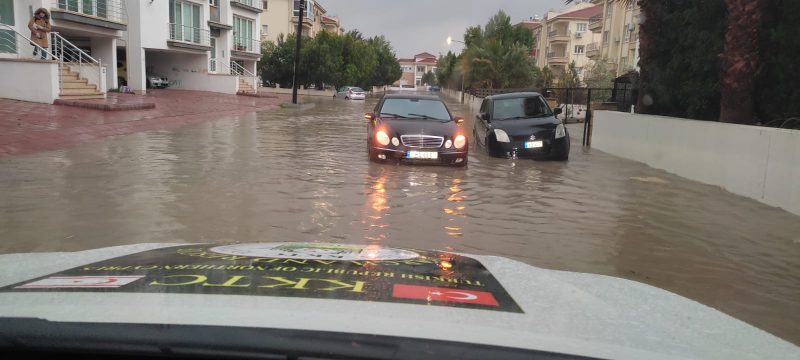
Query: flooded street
x=303, y=175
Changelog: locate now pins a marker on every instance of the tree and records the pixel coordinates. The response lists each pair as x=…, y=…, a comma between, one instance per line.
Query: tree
x=547, y=77
x=570, y=78
x=429, y=78
x=596, y=75
x=497, y=56
x=740, y=57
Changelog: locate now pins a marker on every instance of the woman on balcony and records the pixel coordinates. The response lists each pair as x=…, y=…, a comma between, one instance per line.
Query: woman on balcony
x=40, y=27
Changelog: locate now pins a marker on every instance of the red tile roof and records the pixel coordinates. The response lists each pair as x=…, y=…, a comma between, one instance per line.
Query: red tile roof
x=584, y=13
x=425, y=55
x=530, y=24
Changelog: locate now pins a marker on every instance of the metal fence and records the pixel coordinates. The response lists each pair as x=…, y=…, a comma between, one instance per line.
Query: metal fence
x=112, y=10
x=251, y=3
x=189, y=34
x=246, y=44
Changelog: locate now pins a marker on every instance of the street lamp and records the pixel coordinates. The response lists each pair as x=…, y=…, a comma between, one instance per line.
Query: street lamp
x=450, y=42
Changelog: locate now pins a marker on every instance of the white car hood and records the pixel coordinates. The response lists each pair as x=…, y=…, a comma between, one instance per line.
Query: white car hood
x=563, y=312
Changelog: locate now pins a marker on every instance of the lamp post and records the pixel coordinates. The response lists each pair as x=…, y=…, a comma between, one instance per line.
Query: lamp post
x=450, y=41
x=297, y=50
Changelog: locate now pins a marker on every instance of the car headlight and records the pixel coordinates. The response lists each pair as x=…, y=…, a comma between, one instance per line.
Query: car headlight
x=501, y=136
x=448, y=144
x=460, y=141
x=395, y=141
x=382, y=138
x=561, y=131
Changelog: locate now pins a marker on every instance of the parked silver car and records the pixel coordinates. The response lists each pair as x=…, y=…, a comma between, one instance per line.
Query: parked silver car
x=350, y=93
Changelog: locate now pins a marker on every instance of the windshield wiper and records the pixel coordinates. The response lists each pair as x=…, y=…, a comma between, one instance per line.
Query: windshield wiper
x=525, y=117
x=425, y=117
x=395, y=115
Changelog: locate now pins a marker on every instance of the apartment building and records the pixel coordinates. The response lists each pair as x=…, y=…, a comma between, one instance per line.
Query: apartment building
x=209, y=45
x=565, y=37
x=618, y=27
x=97, y=45
x=281, y=17
x=414, y=69
x=82, y=50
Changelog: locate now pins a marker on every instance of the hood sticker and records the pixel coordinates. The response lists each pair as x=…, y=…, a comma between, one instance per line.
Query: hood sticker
x=308, y=270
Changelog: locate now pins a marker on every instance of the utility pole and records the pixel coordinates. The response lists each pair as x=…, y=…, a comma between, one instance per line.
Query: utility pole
x=299, y=35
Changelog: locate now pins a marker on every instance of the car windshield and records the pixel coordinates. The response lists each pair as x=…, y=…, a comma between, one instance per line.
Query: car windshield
x=520, y=108
x=357, y=89
x=415, y=109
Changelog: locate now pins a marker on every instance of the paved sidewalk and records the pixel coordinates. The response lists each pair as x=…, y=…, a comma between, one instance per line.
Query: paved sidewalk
x=32, y=127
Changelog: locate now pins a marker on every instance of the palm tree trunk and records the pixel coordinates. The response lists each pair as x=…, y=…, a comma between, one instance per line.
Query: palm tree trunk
x=740, y=60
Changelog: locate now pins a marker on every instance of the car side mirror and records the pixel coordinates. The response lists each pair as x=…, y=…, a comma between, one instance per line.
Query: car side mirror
x=459, y=120
x=557, y=111
x=369, y=116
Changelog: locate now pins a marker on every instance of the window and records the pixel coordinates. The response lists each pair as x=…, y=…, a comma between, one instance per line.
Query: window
x=579, y=49
x=605, y=37
x=416, y=108
x=243, y=34
x=420, y=69
x=309, y=13
x=265, y=5
x=609, y=9
x=212, y=2
x=264, y=30
x=185, y=24
x=520, y=108
x=581, y=27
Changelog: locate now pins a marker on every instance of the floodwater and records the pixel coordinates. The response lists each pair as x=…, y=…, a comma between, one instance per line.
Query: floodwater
x=303, y=175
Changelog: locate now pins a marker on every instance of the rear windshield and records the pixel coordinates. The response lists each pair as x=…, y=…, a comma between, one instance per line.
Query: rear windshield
x=357, y=89
x=520, y=108
x=415, y=109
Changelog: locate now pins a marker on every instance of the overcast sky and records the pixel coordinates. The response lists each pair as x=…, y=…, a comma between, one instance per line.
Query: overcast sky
x=414, y=26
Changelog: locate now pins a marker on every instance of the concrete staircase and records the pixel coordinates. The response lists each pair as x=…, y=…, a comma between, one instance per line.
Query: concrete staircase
x=75, y=88
x=245, y=88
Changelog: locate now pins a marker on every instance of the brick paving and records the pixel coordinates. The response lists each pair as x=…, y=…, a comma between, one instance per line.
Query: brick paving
x=32, y=127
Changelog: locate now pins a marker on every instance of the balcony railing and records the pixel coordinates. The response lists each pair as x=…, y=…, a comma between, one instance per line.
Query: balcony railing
x=246, y=44
x=111, y=10
x=251, y=3
x=592, y=47
x=559, y=35
x=556, y=55
x=189, y=34
x=595, y=22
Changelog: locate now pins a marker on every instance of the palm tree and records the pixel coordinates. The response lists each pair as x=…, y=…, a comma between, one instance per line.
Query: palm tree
x=740, y=58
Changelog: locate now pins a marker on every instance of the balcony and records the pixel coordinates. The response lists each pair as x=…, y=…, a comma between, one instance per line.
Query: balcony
x=593, y=50
x=557, y=57
x=189, y=37
x=596, y=24
x=246, y=48
x=215, y=22
x=556, y=36
x=251, y=5
x=109, y=14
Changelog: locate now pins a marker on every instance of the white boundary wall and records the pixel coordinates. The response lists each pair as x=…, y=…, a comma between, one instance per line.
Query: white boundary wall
x=756, y=162
x=29, y=80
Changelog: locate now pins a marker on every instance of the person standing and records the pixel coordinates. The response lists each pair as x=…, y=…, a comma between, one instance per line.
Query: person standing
x=40, y=28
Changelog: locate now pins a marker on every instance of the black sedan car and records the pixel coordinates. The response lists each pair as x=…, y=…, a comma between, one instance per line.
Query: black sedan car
x=416, y=128
x=521, y=125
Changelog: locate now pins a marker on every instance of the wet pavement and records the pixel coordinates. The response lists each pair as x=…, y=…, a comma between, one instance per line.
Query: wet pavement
x=303, y=175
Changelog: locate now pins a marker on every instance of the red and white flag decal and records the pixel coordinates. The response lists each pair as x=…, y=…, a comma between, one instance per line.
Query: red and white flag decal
x=443, y=294
x=57, y=282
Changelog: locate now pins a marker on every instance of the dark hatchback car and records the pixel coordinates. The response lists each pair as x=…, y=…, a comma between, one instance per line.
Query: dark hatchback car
x=521, y=125
x=416, y=128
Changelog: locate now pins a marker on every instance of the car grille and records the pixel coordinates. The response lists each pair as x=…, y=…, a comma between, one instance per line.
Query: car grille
x=422, y=141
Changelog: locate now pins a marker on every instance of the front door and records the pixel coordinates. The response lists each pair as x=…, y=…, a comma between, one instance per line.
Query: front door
x=8, y=39
x=212, y=66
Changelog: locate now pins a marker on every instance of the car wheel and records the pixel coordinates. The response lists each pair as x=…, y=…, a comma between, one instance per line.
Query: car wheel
x=347, y=98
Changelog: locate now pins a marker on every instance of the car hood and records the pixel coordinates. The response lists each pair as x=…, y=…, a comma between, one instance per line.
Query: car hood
x=474, y=299
x=419, y=126
x=525, y=126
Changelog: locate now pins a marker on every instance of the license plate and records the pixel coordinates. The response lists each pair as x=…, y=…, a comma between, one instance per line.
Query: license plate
x=427, y=155
x=534, y=144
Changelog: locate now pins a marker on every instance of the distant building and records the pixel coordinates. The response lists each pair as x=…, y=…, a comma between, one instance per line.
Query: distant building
x=618, y=28
x=566, y=37
x=281, y=17
x=414, y=68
